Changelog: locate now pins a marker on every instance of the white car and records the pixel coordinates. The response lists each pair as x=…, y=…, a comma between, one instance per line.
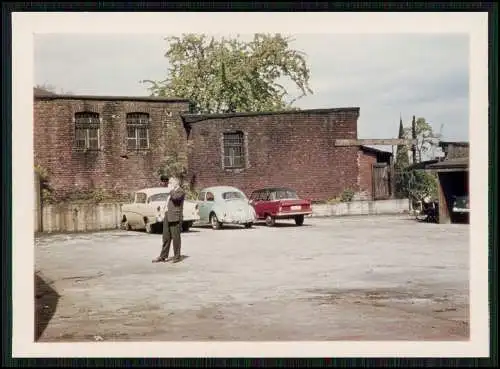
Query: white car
x=148, y=210
x=225, y=204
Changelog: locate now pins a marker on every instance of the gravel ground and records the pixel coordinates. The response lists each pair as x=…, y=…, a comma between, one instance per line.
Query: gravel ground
x=343, y=278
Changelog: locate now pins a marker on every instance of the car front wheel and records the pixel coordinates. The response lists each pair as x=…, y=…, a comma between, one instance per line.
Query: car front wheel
x=270, y=221
x=214, y=221
x=248, y=225
x=149, y=228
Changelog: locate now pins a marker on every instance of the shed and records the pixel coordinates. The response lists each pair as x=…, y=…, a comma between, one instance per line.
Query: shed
x=453, y=180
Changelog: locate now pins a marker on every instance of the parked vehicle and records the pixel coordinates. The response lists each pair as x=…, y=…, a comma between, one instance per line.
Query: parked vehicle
x=224, y=204
x=271, y=204
x=460, y=209
x=460, y=204
x=148, y=209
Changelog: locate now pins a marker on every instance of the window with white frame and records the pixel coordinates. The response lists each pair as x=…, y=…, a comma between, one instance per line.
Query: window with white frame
x=87, y=125
x=234, y=149
x=138, y=131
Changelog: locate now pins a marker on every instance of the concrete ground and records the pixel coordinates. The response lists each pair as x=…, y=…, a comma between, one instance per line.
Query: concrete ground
x=343, y=278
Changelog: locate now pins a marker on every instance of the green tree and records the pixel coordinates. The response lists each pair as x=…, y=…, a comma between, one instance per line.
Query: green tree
x=230, y=75
x=402, y=160
x=412, y=183
x=426, y=138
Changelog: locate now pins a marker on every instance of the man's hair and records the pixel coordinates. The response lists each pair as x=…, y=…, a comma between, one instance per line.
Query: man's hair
x=175, y=181
x=164, y=178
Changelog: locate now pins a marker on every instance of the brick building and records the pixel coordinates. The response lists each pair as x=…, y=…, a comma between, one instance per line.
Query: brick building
x=103, y=142
x=117, y=144
x=291, y=148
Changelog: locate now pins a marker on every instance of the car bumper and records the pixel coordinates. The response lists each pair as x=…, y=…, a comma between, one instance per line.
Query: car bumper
x=291, y=214
x=159, y=219
x=232, y=220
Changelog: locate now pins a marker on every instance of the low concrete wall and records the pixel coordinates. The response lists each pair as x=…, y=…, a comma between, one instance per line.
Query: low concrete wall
x=95, y=217
x=80, y=217
x=393, y=206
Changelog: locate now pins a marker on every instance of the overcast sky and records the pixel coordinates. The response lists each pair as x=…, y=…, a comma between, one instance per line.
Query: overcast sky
x=426, y=75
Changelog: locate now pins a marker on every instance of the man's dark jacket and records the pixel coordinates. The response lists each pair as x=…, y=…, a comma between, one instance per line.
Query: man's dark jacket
x=175, y=205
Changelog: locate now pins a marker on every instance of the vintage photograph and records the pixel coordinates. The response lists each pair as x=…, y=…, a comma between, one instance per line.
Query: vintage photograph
x=251, y=187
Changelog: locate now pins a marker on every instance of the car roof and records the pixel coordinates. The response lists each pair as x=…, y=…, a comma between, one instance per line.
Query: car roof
x=220, y=189
x=153, y=190
x=272, y=189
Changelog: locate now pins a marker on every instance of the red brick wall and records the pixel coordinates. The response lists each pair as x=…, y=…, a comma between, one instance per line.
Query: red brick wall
x=366, y=161
x=71, y=170
x=292, y=149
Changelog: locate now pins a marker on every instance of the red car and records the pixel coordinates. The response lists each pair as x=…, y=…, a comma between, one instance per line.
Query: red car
x=279, y=203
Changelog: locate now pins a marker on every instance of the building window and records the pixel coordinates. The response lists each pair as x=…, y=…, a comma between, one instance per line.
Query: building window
x=87, y=126
x=234, y=150
x=137, y=131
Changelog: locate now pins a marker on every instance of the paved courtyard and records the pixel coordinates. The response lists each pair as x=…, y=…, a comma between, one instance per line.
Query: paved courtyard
x=342, y=278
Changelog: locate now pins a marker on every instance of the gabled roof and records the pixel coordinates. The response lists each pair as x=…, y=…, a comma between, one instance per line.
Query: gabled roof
x=453, y=143
x=458, y=163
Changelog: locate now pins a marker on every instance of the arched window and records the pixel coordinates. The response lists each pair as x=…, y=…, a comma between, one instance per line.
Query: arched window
x=87, y=125
x=137, y=131
x=234, y=150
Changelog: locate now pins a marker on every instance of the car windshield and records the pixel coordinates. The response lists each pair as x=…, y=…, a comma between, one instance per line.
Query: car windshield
x=233, y=195
x=285, y=194
x=159, y=197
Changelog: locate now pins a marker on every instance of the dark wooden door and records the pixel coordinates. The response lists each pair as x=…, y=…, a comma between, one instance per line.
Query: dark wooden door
x=381, y=181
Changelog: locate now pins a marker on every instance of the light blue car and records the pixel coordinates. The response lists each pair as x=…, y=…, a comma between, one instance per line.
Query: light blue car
x=220, y=205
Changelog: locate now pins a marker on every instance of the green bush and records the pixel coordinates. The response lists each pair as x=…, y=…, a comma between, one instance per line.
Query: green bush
x=416, y=184
x=347, y=195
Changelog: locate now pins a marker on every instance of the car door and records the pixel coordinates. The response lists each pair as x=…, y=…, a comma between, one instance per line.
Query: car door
x=255, y=201
x=202, y=207
x=267, y=205
x=136, y=217
x=209, y=204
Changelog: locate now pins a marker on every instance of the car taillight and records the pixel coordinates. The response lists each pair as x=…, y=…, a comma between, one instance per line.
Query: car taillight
x=279, y=209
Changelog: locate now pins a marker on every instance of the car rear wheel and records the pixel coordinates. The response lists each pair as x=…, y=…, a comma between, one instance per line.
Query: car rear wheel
x=125, y=225
x=214, y=221
x=299, y=220
x=149, y=228
x=185, y=226
x=248, y=225
x=270, y=221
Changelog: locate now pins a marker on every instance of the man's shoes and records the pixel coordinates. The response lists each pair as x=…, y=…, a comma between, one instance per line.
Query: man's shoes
x=176, y=259
x=158, y=260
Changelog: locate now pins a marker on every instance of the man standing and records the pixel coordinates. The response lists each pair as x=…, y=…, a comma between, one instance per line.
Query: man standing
x=172, y=221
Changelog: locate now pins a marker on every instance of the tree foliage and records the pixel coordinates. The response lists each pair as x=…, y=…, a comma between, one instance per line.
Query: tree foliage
x=411, y=183
x=426, y=138
x=230, y=75
x=402, y=160
x=417, y=184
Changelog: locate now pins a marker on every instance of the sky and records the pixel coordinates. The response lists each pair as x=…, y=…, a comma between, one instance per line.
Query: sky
x=387, y=76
